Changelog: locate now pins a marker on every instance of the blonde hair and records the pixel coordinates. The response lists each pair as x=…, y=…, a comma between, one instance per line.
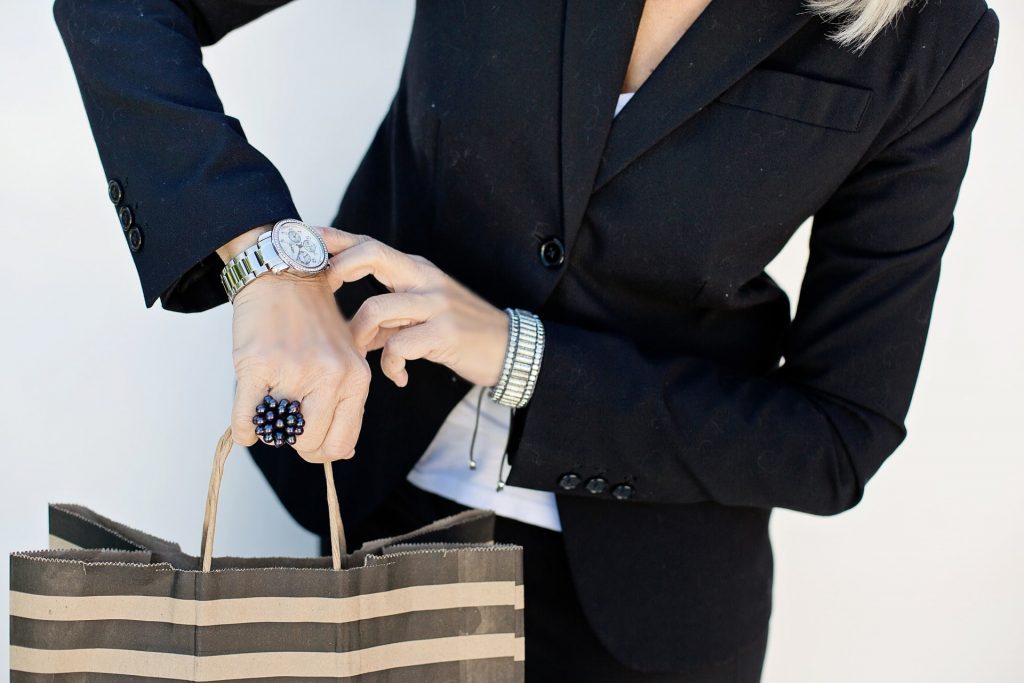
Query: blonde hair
x=860, y=20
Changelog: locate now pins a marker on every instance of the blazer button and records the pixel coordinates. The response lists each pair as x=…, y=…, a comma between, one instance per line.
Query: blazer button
x=124, y=214
x=114, y=191
x=552, y=252
x=134, y=238
x=569, y=481
x=597, y=484
x=623, y=492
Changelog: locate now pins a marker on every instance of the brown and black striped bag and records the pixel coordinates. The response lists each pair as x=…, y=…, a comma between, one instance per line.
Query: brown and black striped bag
x=108, y=602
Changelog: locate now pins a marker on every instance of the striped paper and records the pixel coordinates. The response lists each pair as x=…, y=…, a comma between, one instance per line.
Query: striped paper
x=413, y=608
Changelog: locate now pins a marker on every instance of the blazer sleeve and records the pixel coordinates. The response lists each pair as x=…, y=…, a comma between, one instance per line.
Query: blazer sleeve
x=187, y=174
x=809, y=434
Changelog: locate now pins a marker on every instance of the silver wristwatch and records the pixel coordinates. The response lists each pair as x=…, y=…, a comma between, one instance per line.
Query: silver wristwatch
x=289, y=245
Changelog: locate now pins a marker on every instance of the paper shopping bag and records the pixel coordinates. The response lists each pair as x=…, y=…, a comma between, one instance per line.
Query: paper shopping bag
x=109, y=602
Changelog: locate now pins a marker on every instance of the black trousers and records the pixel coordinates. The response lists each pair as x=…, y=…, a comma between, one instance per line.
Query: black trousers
x=560, y=645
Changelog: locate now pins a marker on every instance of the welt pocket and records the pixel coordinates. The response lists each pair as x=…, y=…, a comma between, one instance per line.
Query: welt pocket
x=800, y=98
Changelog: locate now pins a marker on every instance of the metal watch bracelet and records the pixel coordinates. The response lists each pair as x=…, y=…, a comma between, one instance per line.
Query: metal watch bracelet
x=523, y=357
x=243, y=268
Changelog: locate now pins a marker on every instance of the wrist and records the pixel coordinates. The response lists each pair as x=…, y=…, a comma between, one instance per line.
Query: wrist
x=243, y=241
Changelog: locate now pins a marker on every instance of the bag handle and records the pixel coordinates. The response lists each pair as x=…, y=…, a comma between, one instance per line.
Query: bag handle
x=210, y=519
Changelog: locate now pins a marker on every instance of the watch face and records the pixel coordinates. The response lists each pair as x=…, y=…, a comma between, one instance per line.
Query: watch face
x=299, y=246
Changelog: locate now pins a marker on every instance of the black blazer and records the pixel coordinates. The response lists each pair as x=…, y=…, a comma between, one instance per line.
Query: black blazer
x=640, y=240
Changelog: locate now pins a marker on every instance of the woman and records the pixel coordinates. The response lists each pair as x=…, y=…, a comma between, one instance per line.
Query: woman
x=661, y=427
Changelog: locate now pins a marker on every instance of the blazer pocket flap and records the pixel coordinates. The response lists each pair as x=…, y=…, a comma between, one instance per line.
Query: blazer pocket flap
x=800, y=98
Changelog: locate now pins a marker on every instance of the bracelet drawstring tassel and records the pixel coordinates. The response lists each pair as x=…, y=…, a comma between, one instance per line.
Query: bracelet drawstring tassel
x=501, y=467
x=476, y=426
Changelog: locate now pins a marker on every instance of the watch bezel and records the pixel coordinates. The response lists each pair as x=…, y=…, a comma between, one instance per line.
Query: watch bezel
x=275, y=239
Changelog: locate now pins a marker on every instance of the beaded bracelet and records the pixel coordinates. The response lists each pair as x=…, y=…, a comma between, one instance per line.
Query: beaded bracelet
x=522, y=359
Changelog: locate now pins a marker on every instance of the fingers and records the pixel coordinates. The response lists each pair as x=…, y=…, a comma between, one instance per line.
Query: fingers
x=411, y=343
x=317, y=412
x=339, y=240
x=389, y=311
x=340, y=442
x=392, y=268
x=249, y=392
x=333, y=412
x=379, y=339
x=338, y=430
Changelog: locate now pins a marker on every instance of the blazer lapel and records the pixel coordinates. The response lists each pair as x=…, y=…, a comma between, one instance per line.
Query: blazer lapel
x=597, y=43
x=725, y=42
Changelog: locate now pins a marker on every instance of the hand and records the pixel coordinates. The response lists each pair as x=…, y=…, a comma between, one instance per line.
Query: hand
x=291, y=340
x=426, y=314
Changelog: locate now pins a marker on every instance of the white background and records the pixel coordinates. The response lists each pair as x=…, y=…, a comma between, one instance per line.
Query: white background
x=116, y=406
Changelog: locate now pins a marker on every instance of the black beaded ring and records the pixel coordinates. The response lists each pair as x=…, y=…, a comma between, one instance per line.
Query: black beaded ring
x=278, y=421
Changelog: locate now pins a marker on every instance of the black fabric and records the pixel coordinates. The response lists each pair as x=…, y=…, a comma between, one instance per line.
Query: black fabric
x=672, y=362
x=560, y=644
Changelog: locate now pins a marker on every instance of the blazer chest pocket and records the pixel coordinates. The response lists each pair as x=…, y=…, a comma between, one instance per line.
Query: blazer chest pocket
x=800, y=98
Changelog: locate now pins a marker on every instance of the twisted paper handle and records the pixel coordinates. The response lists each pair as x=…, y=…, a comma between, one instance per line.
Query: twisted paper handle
x=210, y=519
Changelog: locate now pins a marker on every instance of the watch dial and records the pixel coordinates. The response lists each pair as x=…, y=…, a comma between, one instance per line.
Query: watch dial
x=299, y=245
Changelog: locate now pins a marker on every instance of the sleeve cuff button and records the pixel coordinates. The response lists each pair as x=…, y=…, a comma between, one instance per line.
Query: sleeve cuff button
x=623, y=492
x=124, y=214
x=569, y=481
x=114, y=191
x=134, y=238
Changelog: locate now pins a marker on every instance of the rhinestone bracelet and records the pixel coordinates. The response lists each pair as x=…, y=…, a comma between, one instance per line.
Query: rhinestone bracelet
x=522, y=359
